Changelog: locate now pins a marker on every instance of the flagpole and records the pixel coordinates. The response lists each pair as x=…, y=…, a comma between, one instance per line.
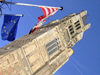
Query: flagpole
x=14, y=14
x=24, y=4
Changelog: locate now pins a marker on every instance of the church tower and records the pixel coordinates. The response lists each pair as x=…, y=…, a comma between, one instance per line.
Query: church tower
x=46, y=50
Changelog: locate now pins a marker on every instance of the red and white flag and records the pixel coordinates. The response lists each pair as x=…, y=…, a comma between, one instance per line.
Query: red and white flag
x=49, y=11
x=41, y=18
x=34, y=29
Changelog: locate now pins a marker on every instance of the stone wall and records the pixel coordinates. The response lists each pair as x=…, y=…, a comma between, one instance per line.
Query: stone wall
x=44, y=51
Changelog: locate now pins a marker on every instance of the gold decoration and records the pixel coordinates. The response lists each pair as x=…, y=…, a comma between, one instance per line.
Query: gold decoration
x=4, y=30
x=14, y=21
x=4, y=27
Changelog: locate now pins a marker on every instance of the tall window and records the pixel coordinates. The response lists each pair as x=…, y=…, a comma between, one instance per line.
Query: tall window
x=71, y=30
x=52, y=46
x=77, y=25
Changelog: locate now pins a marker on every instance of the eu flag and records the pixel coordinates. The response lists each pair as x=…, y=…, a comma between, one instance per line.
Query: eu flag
x=9, y=27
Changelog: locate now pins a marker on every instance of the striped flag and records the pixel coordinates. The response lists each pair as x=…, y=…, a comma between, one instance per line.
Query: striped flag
x=47, y=11
x=40, y=18
x=35, y=27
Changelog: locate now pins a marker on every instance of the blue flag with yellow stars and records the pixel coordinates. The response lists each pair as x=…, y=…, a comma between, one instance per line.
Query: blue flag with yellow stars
x=9, y=28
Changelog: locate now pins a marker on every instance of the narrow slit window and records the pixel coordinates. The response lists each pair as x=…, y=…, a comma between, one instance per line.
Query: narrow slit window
x=52, y=46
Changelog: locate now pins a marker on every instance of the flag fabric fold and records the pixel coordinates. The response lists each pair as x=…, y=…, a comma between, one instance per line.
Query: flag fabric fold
x=47, y=12
x=9, y=27
x=35, y=28
x=40, y=18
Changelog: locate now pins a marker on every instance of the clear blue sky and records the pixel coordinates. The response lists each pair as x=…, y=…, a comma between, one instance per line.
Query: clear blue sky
x=86, y=57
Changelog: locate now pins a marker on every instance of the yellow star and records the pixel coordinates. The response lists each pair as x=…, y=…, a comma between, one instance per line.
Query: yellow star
x=14, y=21
x=4, y=30
x=4, y=27
x=11, y=21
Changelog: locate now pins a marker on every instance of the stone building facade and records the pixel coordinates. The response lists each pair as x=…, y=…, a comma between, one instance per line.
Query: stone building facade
x=44, y=51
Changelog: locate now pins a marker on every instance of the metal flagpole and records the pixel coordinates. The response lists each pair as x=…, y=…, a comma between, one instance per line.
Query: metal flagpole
x=14, y=14
x=24, y=4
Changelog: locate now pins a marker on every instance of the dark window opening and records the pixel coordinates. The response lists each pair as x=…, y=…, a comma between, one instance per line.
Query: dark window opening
x=52, y=46
x=71, y=29
x=78, y=27
x=76, y=22
x=71, y=32
x=70, y=26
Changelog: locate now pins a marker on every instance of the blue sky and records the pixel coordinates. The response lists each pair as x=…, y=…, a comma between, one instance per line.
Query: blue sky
x=86, y=57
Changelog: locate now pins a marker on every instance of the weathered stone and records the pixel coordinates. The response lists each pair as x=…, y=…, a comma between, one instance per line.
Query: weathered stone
x=44, y=51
